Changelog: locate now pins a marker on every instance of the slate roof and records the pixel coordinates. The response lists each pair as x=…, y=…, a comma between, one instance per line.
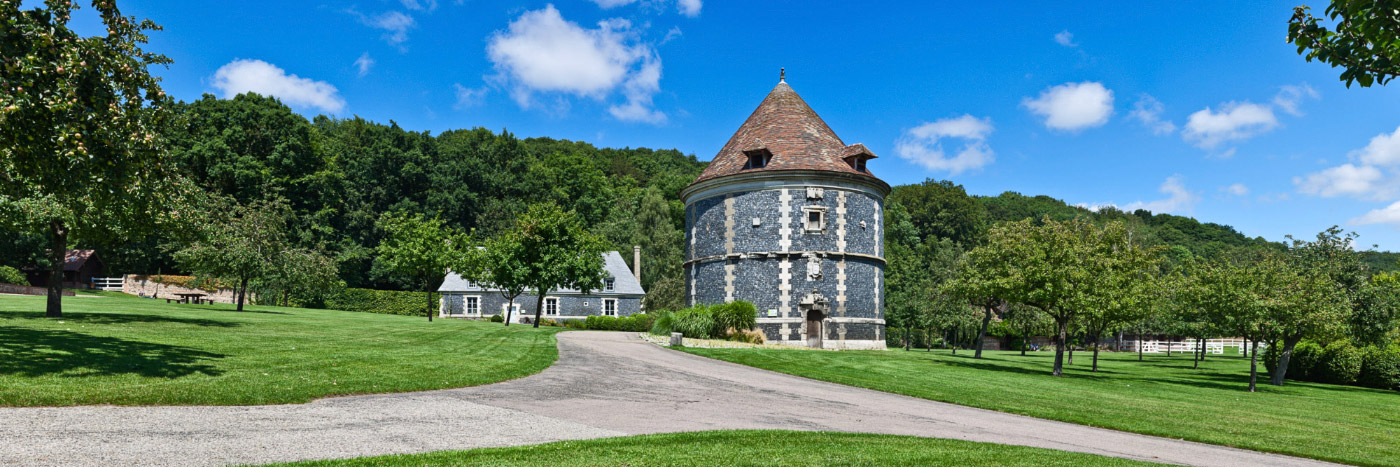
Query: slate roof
x=797, y=138
x=624, y=283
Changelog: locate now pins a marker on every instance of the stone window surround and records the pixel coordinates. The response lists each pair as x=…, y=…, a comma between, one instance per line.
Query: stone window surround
x=609, y=302
x=551, y=306
x=807, y=212
x=610, y=284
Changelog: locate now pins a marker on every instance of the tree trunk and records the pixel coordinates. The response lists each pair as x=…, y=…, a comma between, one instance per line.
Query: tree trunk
x=428, y=296
x=1070, y=361
x=1203, y=349
x=58, y=235
x=510, y=305
x=1196, y=355
x=1169, y=346
x=1139, y=346
x=948, y=340
x=1095, y=368
x=1060, y=337
x=908, y=336
x=539, y=307
x=1253, y=363
x=1283, y=358
x=982, y=334
x=1025, y=341
x=242, y=292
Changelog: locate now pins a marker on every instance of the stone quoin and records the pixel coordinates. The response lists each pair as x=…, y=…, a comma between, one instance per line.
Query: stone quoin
x=788, y=217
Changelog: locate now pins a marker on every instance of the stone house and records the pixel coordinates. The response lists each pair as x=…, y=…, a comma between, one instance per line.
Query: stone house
x=788, y=217
x=620, y=296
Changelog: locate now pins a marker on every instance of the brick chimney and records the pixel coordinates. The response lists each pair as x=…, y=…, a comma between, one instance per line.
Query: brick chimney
x=637, y=262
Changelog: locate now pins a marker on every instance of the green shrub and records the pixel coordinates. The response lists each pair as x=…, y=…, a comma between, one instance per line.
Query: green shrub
x=1306, y=356
x=497, y=319
x=1340, y=363
x=640, y=322
x=1380, y=368
x=9, y=275
x=695, y=323
x=739, y=316
x=661, y=326
x=381, y=301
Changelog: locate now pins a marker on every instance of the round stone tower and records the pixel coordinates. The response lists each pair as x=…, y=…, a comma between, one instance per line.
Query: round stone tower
x=788, y=217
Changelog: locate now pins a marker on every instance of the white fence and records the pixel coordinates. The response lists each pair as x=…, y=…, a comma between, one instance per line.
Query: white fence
x=1215, y=346
x=107, y=283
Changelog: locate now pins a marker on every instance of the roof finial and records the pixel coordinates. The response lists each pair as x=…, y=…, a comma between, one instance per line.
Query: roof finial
x=782, y=75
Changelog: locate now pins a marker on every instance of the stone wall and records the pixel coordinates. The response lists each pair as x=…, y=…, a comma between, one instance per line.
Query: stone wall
x=144, y=286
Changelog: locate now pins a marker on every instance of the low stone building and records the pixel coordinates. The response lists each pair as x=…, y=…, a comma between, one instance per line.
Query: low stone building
x=620, y=296
x=788, y=217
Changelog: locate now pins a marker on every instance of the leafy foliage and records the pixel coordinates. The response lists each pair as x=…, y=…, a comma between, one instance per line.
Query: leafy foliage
x=422, y=248
x=640, y=322
x=1365, y=41
x=238, y=245
x=9, y=275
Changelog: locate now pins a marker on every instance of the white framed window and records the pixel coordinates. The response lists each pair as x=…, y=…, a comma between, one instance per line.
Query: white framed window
x=551, y=306
x=510, y=312
x=609, y=307
x=471, y=305
x=815, y=217
x=609, y=284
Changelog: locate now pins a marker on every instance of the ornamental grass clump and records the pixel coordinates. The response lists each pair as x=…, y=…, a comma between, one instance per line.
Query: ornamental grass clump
x=695, y=323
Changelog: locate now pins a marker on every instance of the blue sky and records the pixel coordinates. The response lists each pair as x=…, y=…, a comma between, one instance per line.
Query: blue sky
x=1199, y=109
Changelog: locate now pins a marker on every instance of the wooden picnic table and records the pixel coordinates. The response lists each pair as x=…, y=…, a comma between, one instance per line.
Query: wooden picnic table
x=190, y=297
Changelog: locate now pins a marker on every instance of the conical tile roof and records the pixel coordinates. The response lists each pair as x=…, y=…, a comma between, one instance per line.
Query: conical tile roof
x=788, y=129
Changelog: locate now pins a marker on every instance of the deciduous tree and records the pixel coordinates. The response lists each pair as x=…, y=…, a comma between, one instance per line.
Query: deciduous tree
x=420, y=247
x=80, y=124
x=238, y=244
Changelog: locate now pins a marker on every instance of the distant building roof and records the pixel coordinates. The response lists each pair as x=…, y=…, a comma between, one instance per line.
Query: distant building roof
x=624, y=283
x=792, y=134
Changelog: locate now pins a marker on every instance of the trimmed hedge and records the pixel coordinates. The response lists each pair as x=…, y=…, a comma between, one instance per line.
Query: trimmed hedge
x=640, y=322
x=1380, y=368
x=9, y=275
x=391, y=302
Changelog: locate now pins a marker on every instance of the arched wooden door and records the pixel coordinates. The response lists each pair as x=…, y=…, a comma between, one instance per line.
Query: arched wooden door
x=814, y=328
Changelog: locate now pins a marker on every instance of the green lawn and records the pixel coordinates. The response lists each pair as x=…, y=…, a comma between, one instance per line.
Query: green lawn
x=118, y=349
x=729, y=448
x=1161, y=396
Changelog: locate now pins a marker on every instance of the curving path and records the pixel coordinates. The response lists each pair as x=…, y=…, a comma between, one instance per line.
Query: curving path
x=605, y=384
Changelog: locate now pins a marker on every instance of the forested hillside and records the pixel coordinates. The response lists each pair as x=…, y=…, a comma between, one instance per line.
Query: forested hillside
x=339, y=176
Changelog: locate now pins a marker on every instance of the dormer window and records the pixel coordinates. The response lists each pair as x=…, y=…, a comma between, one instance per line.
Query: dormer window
x=857, y=162
x=758, y=158
x=609, y=284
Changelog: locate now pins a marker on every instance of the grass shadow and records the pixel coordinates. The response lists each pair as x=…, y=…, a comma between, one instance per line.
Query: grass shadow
x=37, y=352
x=116, y=318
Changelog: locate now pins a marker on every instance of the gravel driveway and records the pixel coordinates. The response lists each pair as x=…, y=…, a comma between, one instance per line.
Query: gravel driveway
x=605, y=384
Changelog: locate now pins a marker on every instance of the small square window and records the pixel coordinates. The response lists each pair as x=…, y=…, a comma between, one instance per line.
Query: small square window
x=816, y=219
x=609, y=284
x=758, y=158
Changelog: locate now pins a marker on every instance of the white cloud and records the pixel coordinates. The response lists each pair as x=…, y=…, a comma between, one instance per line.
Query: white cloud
x=1179, y=199
x=1207, y=129
x=1387, y=215
x=689, y=8
x=240, y=76
x=1346, y=179
x=1237, y=189
x=1289, y=96
x=1148, y=111
x=923, y=144
x=467, y=97
x=1065, y=38
x=606, y=4
x=364, y=63
x=420, y=5
x=395, y=24
x=1384, y=150
x=541, y=52
x=1073, y=106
